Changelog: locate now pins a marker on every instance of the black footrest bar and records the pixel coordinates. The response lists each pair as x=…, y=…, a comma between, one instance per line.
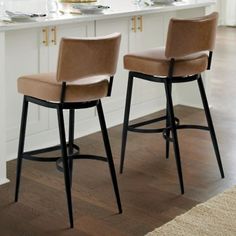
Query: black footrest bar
x=89, y=157
x=32, y=155
x=41, y=159
x=134, y=127
x=44, y=150
x=137, y=130
x=79, y=156
x=148, y=122
x=200, y=127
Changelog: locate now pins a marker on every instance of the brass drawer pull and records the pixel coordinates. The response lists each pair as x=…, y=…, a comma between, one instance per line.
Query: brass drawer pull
x=45, y=36
x=140, y=19
x=54, y=37
x=134, y=25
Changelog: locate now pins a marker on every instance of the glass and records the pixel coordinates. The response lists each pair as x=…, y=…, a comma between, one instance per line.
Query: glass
x=137, y=2
x=2, y=9
x=52, y=6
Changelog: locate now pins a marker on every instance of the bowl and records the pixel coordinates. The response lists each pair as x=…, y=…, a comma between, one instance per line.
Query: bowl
x=66, y=6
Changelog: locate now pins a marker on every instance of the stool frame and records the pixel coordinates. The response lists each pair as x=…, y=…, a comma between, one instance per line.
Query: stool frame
x=69, y=151
x=172, y=122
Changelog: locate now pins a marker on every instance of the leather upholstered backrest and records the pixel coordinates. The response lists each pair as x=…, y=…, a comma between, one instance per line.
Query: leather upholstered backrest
x=84, y=57
x=187, y=36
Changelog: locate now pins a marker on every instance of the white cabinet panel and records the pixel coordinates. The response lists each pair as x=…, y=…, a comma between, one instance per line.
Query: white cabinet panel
x=3, y=174
x=22, y=58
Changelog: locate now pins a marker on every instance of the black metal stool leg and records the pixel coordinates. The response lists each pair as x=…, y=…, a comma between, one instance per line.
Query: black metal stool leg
x=167, y=125
x=210, y=124
x=126, y=121
x=71, y=141
x=21, y=146
x=174, y=133
x=65, y=163
x=109, y=154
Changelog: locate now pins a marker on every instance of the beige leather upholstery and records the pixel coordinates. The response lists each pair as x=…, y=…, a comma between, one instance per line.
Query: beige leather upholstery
x=86, y=57
x=46, y=87
x=154, y=62
x=187, y=42
x=189, y=36
x=86, y=63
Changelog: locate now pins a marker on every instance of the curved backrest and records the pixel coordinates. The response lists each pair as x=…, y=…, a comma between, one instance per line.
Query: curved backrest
x=83, y=57
x=186, y=36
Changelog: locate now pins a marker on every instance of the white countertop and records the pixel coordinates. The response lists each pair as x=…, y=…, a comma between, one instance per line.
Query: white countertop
x=117, y=9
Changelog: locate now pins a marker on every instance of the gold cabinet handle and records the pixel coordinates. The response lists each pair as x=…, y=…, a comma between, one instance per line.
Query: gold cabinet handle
x=45, y=36
x=54, y=35
x=140, y=27
x=134, y=25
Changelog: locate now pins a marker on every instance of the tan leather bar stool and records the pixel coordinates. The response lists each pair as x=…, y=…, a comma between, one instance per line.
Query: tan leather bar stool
x=187, y=54
x=85, y=71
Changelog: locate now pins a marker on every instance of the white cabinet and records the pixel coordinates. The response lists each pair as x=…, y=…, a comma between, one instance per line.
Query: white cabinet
x=22, y=57
x=3, y=172
x=146, y=31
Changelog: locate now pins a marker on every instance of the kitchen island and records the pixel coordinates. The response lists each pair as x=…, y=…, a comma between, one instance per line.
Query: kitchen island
x=32, y=47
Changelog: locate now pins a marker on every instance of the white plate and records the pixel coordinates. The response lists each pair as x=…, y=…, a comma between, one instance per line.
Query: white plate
x=18, y=16
x=163, y=1
x=90, y=8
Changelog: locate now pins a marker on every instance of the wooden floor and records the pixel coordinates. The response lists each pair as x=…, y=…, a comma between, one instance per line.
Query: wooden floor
x=149, y=186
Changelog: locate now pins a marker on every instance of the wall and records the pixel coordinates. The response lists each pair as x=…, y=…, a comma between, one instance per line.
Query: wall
x=221, y=9
x=227, y=10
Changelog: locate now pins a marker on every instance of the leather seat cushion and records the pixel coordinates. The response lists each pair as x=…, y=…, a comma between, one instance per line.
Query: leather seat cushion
x=46, y=87
x=154, y=62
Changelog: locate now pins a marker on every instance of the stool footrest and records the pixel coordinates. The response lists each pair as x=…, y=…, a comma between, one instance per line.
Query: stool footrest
x=137, y=130
x=31, y=155
x=90, y=157
x=134, y=127
x=79, y=156
x=37, y=158
x=201, y=127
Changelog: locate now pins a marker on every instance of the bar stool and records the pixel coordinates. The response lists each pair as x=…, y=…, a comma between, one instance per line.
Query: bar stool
x=183, y=60
x=86, y=67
